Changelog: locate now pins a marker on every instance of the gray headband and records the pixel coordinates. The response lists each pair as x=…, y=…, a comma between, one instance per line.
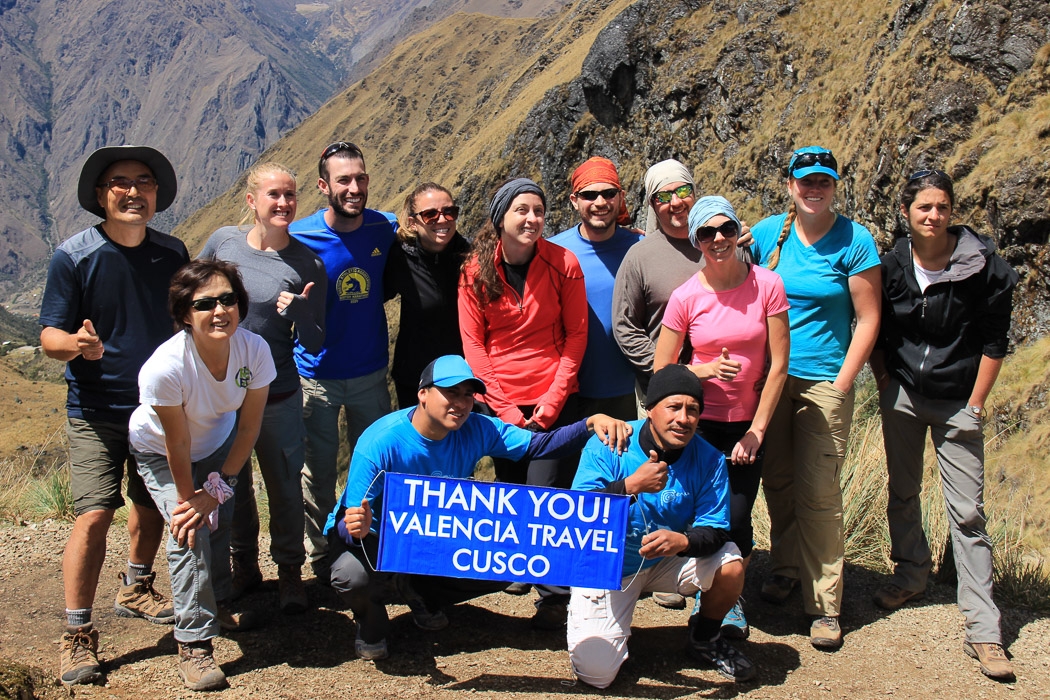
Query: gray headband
x=656, y=178
x=505, y=195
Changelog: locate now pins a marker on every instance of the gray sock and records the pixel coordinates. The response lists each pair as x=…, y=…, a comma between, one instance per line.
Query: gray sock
x=78, y=618
x=136, y=570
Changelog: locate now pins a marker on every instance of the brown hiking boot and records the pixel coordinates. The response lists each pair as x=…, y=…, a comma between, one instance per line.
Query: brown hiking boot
x=825, y=633
x=290, y=589
x=79, y=658
x=992, y=658
x=891, y=596
x=671, y=601
x=141, y=599
x=246, y=576
x=197, y=666
x=230, y=621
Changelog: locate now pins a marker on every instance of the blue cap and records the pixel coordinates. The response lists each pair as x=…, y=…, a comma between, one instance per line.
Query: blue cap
x=449, y=370
x=813, y=159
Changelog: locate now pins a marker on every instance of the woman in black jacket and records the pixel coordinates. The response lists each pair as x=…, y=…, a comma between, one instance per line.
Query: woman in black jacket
x=424, y=270
x=946, y=304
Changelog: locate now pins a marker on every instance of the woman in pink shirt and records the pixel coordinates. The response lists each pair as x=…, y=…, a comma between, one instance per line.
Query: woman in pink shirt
x=735, y=316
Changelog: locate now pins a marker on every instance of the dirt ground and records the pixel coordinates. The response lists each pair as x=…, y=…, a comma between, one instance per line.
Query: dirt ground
x=490, y=649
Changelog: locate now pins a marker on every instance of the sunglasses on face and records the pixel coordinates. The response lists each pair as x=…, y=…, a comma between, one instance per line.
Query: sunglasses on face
x=808, y=160
x=227, y=300
x=926, y=173
x=592, y=195
x=430, y=216
x=122, y=185
x=728, y=229
x=682, y=191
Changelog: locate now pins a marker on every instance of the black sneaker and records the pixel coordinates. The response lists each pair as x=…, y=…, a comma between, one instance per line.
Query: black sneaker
x=729, y=662
x=423, y=617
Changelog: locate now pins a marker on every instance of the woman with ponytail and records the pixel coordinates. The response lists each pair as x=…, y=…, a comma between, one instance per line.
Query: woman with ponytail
x=830, y=268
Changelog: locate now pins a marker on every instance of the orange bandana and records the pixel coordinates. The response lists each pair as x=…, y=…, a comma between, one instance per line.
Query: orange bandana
x=598, y=169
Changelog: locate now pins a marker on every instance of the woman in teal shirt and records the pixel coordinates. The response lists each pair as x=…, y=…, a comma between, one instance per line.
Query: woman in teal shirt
x=830, y=268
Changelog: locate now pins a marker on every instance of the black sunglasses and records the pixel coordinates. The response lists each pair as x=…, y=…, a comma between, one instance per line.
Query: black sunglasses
x=926, y=173
x=228, y=300
x=808, y=160
x=339, y=146
x=430, y=216
x=592, y=195
x=728, y=229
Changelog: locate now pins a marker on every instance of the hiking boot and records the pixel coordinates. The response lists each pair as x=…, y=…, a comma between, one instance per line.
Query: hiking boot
x=197, y=667
x=140, y=599
x=671, y=601
x=550, y=616
x=777, y=588
x=424, y=618
x=230, y=621
x=290, y=589
x=79, y=658
x=518, y=588
x=992, y=657
x=891, y=596
x=370, y=652
x=734, y=624
x=729, y=662
x=825, y=633
x=246, y=576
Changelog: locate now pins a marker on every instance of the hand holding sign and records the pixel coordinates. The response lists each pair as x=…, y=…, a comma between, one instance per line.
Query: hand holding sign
x=650, y=477
x=88, y=342
x=359, y=520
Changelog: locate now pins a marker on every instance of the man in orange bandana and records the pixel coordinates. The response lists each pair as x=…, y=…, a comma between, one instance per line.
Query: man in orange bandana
x=600, y=243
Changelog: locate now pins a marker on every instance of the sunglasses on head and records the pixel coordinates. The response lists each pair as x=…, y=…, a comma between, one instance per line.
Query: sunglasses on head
x=592, y=195
x=664, y=196
x=338, y=146
x=430, y=216
x=926, y=173
x=728, y=229
x=808, y=160
x=227, y=300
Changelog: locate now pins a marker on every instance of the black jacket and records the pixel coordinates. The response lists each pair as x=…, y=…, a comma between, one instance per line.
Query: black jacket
x=933, y=341
x=429, y=287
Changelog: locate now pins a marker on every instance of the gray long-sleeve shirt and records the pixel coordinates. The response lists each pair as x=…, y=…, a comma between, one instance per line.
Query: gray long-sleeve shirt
x=266, y=274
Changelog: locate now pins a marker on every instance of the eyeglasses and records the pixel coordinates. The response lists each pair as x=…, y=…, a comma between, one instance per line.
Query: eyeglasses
x=926, y=173
x=682, y=191
x=122, y=185
x=338, y=146
x=227, y=300
x=592, y=195
x=808, y=160
x=728, y=229
x=430, y=216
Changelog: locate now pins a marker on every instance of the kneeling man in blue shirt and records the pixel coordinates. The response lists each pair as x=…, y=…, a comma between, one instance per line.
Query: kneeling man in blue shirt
x=677, y=534
x=438, y=437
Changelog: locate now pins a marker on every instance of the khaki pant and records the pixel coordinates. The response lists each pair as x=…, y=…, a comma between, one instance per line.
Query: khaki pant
x=805, y=448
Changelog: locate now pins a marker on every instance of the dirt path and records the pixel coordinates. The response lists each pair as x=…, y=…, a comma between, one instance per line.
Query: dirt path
x=491, y=651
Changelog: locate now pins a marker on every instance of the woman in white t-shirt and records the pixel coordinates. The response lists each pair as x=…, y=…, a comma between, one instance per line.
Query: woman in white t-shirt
x=736, y=318
x=190, y=446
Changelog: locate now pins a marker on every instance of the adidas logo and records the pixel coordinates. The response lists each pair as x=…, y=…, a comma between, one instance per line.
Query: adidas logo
x=376, y=253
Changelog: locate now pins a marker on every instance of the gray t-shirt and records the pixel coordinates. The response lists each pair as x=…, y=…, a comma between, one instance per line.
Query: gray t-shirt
x=266, y=274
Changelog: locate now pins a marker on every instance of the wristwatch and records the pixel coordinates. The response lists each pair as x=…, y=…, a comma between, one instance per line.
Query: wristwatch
x=230, y=479
x=976, y=410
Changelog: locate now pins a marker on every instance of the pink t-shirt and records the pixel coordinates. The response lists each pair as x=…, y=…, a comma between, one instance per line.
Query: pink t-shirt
x=733, y=319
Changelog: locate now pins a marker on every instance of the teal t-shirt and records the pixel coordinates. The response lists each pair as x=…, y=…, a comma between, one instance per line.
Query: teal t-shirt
x=816, y=279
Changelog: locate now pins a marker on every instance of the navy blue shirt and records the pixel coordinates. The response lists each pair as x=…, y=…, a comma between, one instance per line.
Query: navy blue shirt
x=124, y=292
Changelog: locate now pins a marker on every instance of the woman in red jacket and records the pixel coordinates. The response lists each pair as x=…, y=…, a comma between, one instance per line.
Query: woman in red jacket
x=523, y=318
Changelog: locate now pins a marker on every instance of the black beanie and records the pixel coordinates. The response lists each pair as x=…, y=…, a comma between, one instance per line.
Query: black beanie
x=673, y=380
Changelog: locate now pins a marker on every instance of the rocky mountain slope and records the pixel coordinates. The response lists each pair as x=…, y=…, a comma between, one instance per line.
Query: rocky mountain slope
x=729, y=87
x=212, y=84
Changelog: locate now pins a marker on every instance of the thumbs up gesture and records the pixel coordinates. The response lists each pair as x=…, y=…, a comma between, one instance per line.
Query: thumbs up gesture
x=286, y=299
x=722, y=367
x=88, y=342
x=359, y=520
x=650, y=477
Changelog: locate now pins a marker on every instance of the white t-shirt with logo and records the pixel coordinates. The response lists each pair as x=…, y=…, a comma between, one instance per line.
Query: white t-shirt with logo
x=175, y=375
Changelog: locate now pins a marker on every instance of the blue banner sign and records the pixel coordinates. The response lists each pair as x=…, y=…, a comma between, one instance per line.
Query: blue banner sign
x=502, y=532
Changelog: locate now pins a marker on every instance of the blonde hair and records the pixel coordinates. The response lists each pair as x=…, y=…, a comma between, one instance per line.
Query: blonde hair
x=254, y=178
x=774, y=257
x=405, y=233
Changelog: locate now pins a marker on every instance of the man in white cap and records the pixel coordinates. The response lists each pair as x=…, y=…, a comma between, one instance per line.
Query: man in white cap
x=104, y=312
